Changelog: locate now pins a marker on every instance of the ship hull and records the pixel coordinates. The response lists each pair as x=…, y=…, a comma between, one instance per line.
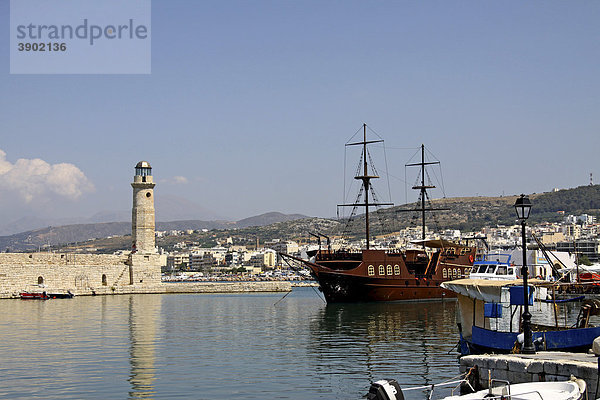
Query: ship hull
x=339, y=288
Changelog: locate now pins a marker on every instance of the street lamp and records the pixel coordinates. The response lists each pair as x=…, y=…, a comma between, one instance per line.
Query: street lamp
x=523, y=207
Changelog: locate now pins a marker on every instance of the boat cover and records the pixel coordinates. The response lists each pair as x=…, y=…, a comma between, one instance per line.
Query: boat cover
x=489, y=291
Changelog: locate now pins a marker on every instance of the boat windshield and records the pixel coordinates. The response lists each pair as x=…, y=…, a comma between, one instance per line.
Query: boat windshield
x=501, y=270
x=499, y=258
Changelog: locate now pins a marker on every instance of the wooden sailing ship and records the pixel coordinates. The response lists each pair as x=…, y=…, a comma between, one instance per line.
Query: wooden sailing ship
x=384, y=275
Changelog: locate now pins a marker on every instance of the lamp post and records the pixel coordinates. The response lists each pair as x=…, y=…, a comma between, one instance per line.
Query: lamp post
x=523, y=207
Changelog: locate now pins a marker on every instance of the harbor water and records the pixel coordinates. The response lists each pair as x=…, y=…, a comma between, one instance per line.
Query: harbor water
x=246, y=346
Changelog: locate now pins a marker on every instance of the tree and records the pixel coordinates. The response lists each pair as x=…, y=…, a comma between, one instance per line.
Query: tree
x=583, y=259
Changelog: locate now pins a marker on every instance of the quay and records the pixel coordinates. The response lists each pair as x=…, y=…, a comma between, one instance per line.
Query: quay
x=540, y=367
x=171, y=288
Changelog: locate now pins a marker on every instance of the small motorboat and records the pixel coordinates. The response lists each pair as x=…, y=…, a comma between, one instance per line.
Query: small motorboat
x=34, y=296
x=573, y=389
x=568, y=390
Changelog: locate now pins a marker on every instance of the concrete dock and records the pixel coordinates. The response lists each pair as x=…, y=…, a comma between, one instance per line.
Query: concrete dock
x=540, y=367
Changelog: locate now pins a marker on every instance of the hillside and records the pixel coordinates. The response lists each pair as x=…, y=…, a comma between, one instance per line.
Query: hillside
x=464, y=213
x=77, y=233
x=473, y=213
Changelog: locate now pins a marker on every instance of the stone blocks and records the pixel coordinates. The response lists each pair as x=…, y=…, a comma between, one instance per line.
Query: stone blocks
x=543, y=366
x=79, y=273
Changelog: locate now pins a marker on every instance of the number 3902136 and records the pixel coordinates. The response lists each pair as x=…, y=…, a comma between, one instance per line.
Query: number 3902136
x=42, y=46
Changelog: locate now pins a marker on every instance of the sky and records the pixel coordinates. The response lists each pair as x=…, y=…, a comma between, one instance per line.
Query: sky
x=249, y=104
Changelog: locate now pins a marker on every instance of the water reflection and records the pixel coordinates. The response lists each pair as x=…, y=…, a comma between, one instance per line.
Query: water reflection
x=144, y=311
x=410, y=342
x=212, y=346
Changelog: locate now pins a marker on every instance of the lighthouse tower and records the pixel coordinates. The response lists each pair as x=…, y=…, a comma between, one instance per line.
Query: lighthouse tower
x=144, y=260
x=142, y=213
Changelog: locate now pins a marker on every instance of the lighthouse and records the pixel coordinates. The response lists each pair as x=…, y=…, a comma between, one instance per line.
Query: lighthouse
x=142, y=213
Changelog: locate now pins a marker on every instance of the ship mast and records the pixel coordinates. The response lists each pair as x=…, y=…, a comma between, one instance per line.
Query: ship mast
x=366, y=182
x=423, y=188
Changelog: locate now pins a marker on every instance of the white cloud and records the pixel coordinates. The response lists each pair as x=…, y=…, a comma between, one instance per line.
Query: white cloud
x=32, y=178
x=176, y=180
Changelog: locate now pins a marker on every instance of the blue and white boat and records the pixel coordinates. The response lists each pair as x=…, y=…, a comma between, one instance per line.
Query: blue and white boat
x=485, y=326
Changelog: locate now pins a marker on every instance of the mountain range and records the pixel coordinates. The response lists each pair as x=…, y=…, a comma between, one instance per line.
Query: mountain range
x=72, y=233
x=168, y=208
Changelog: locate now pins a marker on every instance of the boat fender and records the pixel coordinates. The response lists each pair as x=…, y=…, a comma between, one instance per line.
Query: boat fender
x=521, y=338
x=580, y=382
x=385, y=389
x=596, y=347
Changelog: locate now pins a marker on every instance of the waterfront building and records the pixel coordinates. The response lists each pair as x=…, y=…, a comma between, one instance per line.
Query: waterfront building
x=263, y=259
x=233, y=259
x=586, y=219
x=588, y=248
x=178, y=261
x=283, y=246
x=572, y=231
x=552, y=237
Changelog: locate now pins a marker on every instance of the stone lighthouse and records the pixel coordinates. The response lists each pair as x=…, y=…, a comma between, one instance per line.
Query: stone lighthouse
x=144, y=260
x=142, y=213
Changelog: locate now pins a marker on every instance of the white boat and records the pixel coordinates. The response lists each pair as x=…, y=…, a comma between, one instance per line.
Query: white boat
x=568, y=390
x=506, y=264
x=573, y=389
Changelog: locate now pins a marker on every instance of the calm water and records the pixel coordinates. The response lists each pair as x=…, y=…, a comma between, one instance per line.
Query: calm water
x=212, y=346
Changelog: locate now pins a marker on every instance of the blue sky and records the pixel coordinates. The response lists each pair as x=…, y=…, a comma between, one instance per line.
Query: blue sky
x=249, y=104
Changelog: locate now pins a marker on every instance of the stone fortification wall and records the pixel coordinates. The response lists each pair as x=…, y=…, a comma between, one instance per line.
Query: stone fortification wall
x=79, y=273
x=90, y=274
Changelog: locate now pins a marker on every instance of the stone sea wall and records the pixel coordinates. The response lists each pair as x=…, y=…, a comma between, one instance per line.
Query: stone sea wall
x=541, y=367
x=78, y=273
x=90, y=274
